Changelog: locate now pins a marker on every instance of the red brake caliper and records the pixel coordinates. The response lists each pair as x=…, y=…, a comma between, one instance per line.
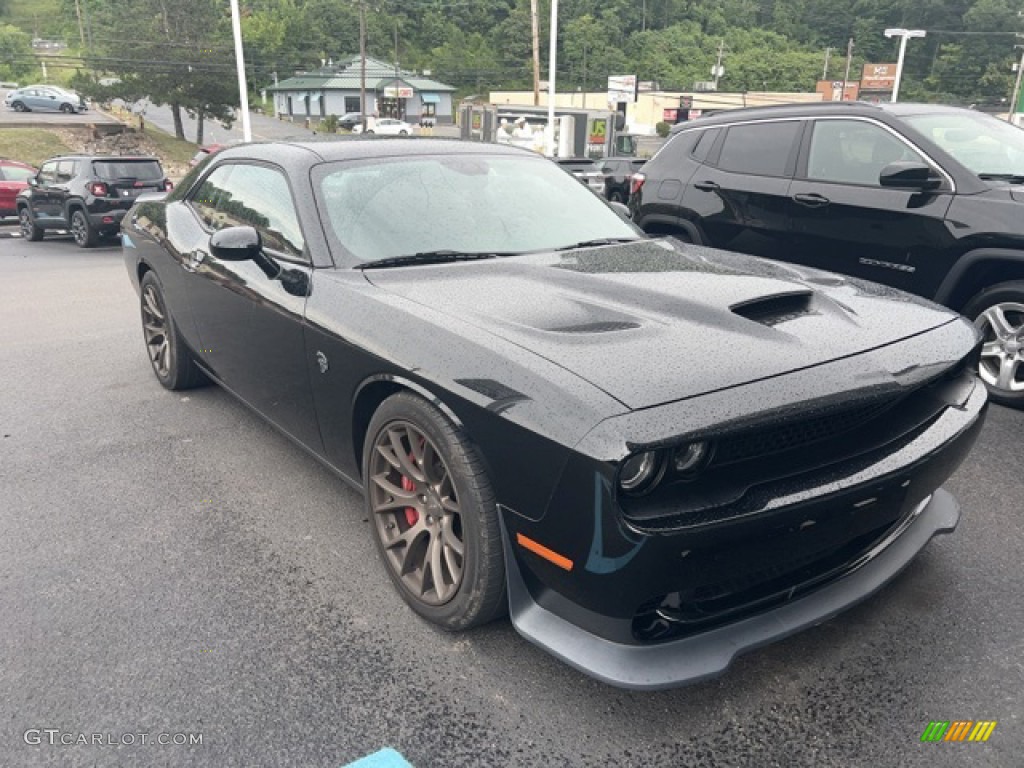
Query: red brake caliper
x=411, y=515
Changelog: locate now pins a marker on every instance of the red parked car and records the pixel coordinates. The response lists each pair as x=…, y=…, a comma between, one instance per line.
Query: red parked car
x=13, y=178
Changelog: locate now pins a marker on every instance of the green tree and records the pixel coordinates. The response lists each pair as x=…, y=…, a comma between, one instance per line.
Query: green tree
x=16, y=57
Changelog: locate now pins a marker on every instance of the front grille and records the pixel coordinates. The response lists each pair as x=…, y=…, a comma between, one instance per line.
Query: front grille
x=807, y=431
x=794, y=573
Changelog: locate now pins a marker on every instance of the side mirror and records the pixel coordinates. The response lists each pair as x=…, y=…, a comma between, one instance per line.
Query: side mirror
x=236, y=244
x=908, y=175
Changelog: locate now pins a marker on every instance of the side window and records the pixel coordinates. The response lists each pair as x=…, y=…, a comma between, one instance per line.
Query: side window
x=259, y=197
x=704, y=144
x=65, y=171
x=760, y=149
x=205, y=200
x=854, y=152
x=48, y=173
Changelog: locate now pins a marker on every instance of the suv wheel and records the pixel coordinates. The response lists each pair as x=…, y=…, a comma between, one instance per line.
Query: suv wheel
x=29, y=230
x=83, y=232
x=998, y=312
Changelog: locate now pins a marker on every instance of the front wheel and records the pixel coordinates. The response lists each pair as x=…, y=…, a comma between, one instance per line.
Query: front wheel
x=67, y=109
x=403, y=133
x=433, y=514
x=369, y=131
x=82, y=231
x=19, y=107
x=29, y=230
x=998, y=312
x=616, y=197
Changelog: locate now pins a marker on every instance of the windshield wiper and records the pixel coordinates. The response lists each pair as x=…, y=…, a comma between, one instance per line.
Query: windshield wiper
x=1013, y=178
x=431, y=257
x=598, y=241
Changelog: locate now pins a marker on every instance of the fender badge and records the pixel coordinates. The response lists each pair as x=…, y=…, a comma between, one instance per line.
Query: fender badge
x=321, y=360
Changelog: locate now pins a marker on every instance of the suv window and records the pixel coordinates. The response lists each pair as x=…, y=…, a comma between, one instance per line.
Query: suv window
x=704, y=144
x=143, y=170
x=65, y=171
x=253, y=195
x=761, y=149
x=48, y=173
x=854, y=152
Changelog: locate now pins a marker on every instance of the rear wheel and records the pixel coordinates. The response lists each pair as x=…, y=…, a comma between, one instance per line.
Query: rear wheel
x=82, y=231
x=433, y=514
x=403, y=133
x=29, y=230
x=171, y=360
x=616, y=197
x=998, y=312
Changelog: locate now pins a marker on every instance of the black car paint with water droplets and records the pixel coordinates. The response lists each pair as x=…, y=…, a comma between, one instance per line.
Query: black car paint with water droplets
x=821, y=414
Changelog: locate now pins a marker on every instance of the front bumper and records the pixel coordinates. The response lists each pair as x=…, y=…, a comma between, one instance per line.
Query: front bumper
x=666, y=605
x=699, y=657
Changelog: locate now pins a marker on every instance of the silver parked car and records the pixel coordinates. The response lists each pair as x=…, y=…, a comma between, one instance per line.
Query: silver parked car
x=44, y=98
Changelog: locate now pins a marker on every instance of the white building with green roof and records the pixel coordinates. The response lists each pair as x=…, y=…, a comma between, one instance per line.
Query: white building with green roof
x=390, y=92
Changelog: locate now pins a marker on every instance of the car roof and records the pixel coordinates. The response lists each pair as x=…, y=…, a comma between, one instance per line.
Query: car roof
x=812, y=109
x=8, y=161
x=365, y=147
x=101, y=157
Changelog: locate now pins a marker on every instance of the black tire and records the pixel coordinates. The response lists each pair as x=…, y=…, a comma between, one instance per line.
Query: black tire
x=477, y=594
x=1002, y=361
x=172, y=361
x=67, y=109
x=403, y=133
x=19, y=107
x=82, y=230
x=29, y=229
x=616, y=197
x=369, y=131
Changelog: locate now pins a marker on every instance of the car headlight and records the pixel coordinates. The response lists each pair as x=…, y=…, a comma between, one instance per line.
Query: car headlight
x=640, y=472
x=687, y=459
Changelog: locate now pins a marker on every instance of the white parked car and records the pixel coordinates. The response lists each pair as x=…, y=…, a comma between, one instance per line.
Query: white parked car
x=387, y=126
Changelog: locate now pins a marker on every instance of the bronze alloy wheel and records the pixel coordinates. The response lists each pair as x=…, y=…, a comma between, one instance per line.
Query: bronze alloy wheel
x=154, y=326
x=416, y=513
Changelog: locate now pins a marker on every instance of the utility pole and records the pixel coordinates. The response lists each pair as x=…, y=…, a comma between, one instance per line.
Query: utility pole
x=643, y=18
x=584, y=75
x=398, y=101
x=846, y=75
x=81, y=29
x=824, y=72
x=718, y=72
x=552, y=149
x=535, y=23
x=362, y=63
x=1015, y=98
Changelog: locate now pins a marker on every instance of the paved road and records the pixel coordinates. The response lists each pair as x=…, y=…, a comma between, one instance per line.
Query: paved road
x=170, y=564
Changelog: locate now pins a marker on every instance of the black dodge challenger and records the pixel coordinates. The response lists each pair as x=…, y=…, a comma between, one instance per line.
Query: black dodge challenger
x=654, y=456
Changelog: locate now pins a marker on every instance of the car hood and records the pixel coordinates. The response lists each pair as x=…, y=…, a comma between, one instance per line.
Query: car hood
x=656, y=321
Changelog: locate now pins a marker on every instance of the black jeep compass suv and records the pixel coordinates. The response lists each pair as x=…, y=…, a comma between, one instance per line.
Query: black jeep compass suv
x=926, y=198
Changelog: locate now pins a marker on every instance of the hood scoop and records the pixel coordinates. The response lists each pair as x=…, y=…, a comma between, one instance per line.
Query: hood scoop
x=780, y=308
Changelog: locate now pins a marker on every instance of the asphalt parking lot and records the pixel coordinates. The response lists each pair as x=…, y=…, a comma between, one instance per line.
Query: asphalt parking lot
x=170, y=565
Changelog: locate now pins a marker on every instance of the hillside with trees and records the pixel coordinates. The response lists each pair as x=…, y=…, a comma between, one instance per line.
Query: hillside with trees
x=181, y=53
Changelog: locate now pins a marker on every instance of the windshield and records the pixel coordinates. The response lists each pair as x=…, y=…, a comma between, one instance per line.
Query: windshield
x=385, y=208
x=982, y=143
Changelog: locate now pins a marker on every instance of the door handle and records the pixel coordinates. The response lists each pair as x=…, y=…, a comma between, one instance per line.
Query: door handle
x=707, y=186
x=812, y=200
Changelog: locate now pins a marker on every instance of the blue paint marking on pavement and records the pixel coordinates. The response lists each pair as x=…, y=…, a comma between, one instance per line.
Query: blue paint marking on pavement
x=386, y=758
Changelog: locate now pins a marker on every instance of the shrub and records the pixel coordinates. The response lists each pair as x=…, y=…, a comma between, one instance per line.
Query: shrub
x=329, y=124
x=662, y=129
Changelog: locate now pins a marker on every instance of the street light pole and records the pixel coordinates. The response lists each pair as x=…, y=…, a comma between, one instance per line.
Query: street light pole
x=243, y=89
x=904, y=35
x=552, y=63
